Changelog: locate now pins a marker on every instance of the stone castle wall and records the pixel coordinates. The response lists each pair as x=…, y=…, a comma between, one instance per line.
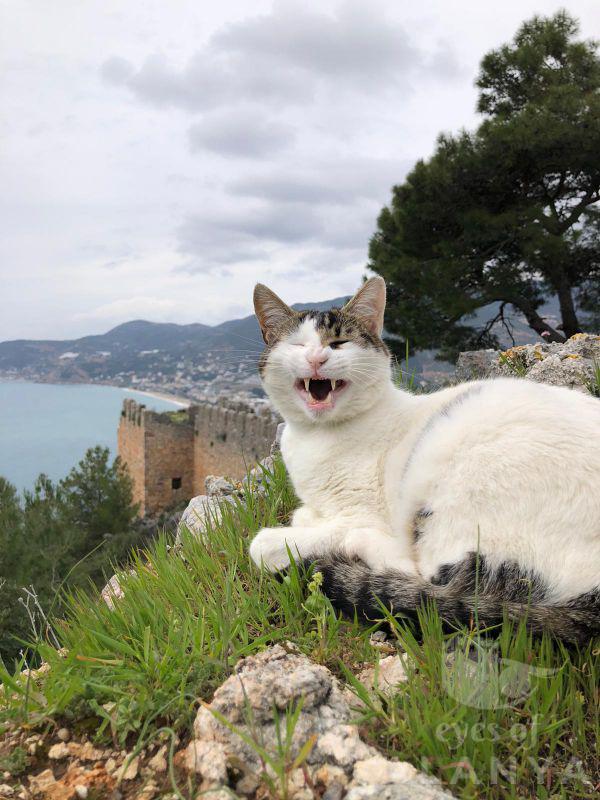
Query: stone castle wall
x=169, y=455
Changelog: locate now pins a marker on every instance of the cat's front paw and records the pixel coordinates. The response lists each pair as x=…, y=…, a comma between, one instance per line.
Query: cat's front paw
x=269, y=548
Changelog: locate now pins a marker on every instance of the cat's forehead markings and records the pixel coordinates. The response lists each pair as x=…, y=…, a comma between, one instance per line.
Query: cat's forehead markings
x=306, y=333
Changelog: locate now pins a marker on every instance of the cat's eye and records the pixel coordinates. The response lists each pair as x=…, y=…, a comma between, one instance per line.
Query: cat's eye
x=338, y=343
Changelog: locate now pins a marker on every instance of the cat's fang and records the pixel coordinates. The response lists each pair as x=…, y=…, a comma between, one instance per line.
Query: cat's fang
x=333, y=384
x=307, y=384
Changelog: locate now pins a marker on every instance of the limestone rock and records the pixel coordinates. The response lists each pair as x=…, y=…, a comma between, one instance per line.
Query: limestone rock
x=421, y=787
x=129, y=770
x=158, y=762
x=219, y=487
x=42, y=782
x=571, y=363
x=206, y=759
x=474, y=364
x=199, y=512
x=58, y=752
x=276, y=446
x=379, y=770
x=263, y=689
x=386, y=675
x=112, y=592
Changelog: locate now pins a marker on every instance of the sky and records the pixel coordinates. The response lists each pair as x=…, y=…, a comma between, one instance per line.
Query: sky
x=158, y=159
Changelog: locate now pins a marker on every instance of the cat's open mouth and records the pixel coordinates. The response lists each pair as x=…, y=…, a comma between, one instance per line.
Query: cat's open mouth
x=319, y=393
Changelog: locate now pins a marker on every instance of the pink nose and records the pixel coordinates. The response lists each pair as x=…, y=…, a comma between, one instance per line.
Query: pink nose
x=317, y=359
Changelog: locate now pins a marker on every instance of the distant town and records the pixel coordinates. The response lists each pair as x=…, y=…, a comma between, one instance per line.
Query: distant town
x=194, y=362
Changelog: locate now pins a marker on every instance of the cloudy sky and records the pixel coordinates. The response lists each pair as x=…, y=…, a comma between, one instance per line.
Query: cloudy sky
x=158, y=158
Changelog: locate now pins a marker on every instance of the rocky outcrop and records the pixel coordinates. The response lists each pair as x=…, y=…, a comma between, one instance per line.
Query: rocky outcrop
x=574, y=363
x=280, y=696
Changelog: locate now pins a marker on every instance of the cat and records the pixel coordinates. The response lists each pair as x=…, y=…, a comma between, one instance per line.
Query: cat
x=484, y=497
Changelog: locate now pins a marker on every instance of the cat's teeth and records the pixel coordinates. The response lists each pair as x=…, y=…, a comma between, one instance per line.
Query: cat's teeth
x=307, y=383
x=333, y=384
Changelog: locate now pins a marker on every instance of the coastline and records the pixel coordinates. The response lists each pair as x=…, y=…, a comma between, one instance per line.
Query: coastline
x=178, y=400
x=171, y=398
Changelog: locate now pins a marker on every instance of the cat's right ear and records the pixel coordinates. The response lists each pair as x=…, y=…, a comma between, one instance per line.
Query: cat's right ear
x=272, y=313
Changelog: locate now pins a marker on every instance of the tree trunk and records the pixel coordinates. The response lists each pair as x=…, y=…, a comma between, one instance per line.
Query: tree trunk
x=570, y=322
x=547, y=332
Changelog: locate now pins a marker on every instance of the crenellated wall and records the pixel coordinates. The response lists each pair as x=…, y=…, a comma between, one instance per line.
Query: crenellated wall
x=169, y=455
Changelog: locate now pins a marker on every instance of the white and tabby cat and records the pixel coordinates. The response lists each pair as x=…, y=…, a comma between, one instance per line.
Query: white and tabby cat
x=486, y=492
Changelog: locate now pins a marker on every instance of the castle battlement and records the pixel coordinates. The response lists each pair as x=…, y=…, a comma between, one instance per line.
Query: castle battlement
x=170, y=454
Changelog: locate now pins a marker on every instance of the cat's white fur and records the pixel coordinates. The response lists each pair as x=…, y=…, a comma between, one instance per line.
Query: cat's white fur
x=505, y=467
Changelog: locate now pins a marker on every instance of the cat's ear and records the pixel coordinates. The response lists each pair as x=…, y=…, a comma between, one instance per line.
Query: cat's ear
x=271, y=312
x=368, y=305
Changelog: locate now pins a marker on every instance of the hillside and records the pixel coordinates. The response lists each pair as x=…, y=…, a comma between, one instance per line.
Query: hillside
x=195, y=361
x=191, y=360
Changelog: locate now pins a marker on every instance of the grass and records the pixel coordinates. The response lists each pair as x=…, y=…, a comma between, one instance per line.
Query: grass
x=516, y=720
x=593, y=384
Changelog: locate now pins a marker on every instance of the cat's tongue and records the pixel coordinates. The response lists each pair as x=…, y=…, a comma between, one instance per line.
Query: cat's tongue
x=319, y=389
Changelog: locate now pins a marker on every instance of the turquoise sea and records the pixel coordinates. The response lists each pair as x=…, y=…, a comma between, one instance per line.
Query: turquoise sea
x=47, y=428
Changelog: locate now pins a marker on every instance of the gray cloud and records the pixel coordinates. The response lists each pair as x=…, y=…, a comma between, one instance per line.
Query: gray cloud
x=284, y=58
x=337, y=181
x=213, y=240
x=356, y=44
x=236, y=132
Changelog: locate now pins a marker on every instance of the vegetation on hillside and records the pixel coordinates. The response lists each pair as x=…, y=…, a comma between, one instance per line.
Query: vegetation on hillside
x=506, y=215
x=58, y=534
x=189, y=613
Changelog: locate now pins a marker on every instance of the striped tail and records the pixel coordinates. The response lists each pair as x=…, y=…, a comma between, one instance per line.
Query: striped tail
x=462, y=593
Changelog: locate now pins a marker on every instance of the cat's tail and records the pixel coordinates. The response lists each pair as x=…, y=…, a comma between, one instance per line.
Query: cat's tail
x=467, y=592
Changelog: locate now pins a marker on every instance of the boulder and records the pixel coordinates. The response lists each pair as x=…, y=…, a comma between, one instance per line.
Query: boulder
x=574, y=363
x=247, y=717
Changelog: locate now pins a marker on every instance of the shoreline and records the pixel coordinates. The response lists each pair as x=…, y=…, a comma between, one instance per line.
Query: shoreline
x=178, y=400
x=171, y=398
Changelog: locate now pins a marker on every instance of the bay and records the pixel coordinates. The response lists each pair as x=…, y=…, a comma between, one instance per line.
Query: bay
x=48, y=427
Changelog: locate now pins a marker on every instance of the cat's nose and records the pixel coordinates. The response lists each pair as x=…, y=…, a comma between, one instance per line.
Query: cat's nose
x=317, y=358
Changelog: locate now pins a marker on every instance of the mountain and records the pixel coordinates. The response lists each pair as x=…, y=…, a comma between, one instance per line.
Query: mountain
x=196, y=360
x=193, y=360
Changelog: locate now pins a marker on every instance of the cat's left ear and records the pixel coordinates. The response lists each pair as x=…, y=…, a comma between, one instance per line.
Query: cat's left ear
x=272, y=313
x=368, y=305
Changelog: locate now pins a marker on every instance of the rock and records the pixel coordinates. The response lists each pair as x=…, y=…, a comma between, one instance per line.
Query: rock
x=129, y=770
x=272, y=684
x=113, y=591
x=421, y=787
x=206, y=759
x=379, y=770
x=385, y=676
x=81, y=791
x=276, y=679
x=571, y=363
x=199, y=512
x=247, y=786
x=59, y=751
x=6, y=791
x=158, y=762
x=219, y=487
x=148, y=792
x=86, y=751
x=474, y=364
x=276, y=446
x=63, y=734
x=111, y=765
x=42, y=782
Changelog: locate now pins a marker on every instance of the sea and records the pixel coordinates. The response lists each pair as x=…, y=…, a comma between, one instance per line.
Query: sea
x=48, y=427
